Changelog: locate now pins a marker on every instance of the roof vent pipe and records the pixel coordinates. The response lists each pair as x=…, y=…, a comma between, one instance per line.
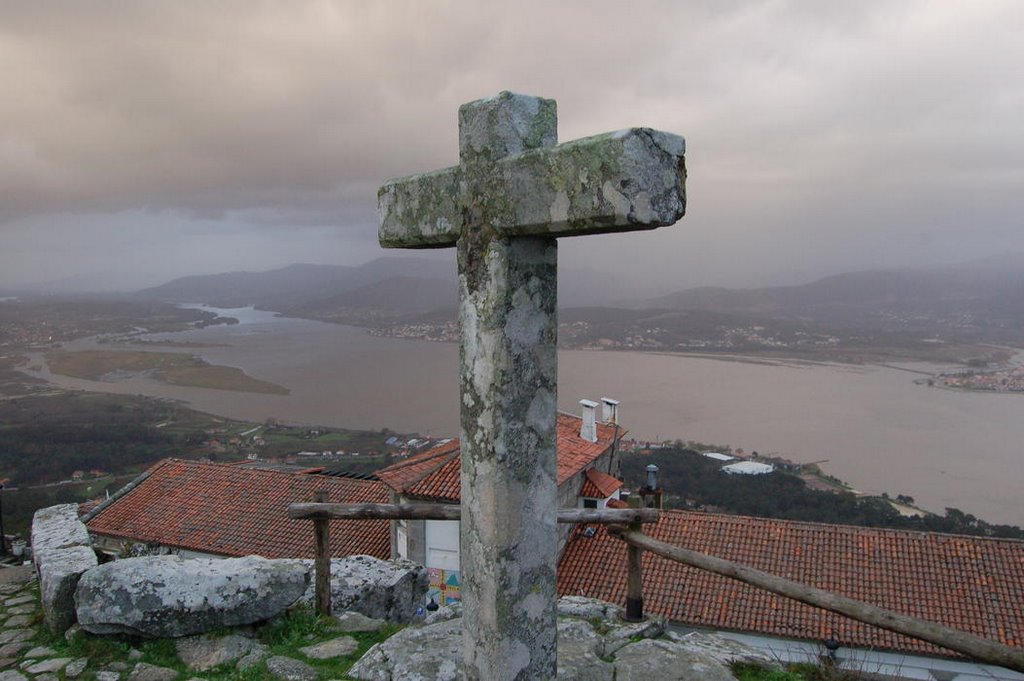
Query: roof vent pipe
x=610, y=412
x=652, y=477
x=588, y=429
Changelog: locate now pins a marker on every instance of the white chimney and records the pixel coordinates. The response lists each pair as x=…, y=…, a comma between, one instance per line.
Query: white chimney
x=610, y=413
x=588, y=430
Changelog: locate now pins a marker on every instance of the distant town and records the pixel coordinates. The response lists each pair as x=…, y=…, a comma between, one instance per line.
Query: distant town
x=1007, y=380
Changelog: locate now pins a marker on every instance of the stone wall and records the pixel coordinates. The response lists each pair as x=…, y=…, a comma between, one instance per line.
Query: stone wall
x=173, y=596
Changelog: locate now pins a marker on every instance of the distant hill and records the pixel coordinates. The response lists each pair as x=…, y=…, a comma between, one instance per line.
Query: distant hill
x=971, y=303
x=295, y=285
x=990, y=286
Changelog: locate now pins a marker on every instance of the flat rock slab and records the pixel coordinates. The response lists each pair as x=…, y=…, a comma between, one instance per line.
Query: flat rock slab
x=328, y=650
x=168, y=596
x=351, y=621
x=19, y=600
x=16, y=635
x=290, y=669
x=40, y=651
x=11, y=649
x=18, y=621
x=43, y=666
x=391, y=590
x=75, y=668
x=149, y=672
x=201, y=653
x=12, y=675
x=107, y=675
x=26, y=609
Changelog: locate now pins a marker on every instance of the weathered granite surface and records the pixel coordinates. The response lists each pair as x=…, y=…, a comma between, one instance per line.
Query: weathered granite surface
x=593, y=645
x=167, y=596
x=57, y=527
x=391, y=590
x=61, y=552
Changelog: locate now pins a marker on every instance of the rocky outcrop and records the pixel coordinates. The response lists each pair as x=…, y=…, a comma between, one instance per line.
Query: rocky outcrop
x=61, y=552
x=168, y=596
x=391, y=590
x=594, y=644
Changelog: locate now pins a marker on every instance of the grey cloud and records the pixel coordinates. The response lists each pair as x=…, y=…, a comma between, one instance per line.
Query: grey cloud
x=847, y=132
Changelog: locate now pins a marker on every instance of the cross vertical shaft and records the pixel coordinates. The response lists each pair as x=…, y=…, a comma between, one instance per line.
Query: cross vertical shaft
x=508, y=381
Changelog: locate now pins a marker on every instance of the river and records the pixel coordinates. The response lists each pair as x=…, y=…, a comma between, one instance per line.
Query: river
x=877, y=429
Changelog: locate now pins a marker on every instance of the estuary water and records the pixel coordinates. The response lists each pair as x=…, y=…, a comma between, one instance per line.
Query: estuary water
x=877, y=430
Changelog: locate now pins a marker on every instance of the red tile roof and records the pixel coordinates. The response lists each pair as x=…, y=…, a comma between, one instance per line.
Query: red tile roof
x=967, y=583
x=598, y=485
x=434, y=474
x=233, y=511
x=575, y=453
x=435, y=463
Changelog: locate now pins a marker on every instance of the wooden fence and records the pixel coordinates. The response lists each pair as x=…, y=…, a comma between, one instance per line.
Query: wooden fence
x=627, y=524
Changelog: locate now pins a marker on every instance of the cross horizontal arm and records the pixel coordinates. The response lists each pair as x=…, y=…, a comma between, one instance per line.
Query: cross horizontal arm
x=420, y=211
x=617, y=182
x=621, y=181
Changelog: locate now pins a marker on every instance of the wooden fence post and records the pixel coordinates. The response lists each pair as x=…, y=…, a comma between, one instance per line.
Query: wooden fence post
x=635, y=580
x=322, y=559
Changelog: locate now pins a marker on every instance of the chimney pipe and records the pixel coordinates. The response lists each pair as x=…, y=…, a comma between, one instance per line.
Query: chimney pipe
x=610, y=412
x=588, y=429
x=652, y=477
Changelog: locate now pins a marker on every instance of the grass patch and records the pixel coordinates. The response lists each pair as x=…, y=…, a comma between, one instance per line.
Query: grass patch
x=793, y=672
x=283, y=636
x=169, y=367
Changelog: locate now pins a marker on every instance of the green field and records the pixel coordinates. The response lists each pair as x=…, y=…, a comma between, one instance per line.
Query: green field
x=169, y=367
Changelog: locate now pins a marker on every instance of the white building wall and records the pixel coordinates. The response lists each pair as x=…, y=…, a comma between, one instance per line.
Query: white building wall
x=442, y=540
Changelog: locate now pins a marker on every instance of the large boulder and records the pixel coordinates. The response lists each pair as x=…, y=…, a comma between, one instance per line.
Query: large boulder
x=168, y=596
x=61, y=552
x=391, y=590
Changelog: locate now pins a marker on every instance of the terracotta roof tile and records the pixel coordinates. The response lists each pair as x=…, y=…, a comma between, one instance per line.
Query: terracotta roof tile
x=968, y=583
x=234, y=511
x=575, y=453
x=434, y=474
x=408, y=473
x=598, y=485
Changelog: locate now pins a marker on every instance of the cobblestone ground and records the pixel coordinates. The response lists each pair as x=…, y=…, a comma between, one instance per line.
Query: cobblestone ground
x=20, y=621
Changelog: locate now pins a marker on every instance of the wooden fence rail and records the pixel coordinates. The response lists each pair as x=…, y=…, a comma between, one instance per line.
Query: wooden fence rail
x=596, y=516
x=320, y=513
x=979, y=648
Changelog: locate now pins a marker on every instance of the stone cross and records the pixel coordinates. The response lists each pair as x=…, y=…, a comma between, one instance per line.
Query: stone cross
x=513, y=192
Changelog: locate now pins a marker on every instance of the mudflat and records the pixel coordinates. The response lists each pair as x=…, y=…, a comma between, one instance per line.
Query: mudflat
x=167, y=367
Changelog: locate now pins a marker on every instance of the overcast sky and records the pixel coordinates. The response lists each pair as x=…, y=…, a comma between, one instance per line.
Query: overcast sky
x=140, y=141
